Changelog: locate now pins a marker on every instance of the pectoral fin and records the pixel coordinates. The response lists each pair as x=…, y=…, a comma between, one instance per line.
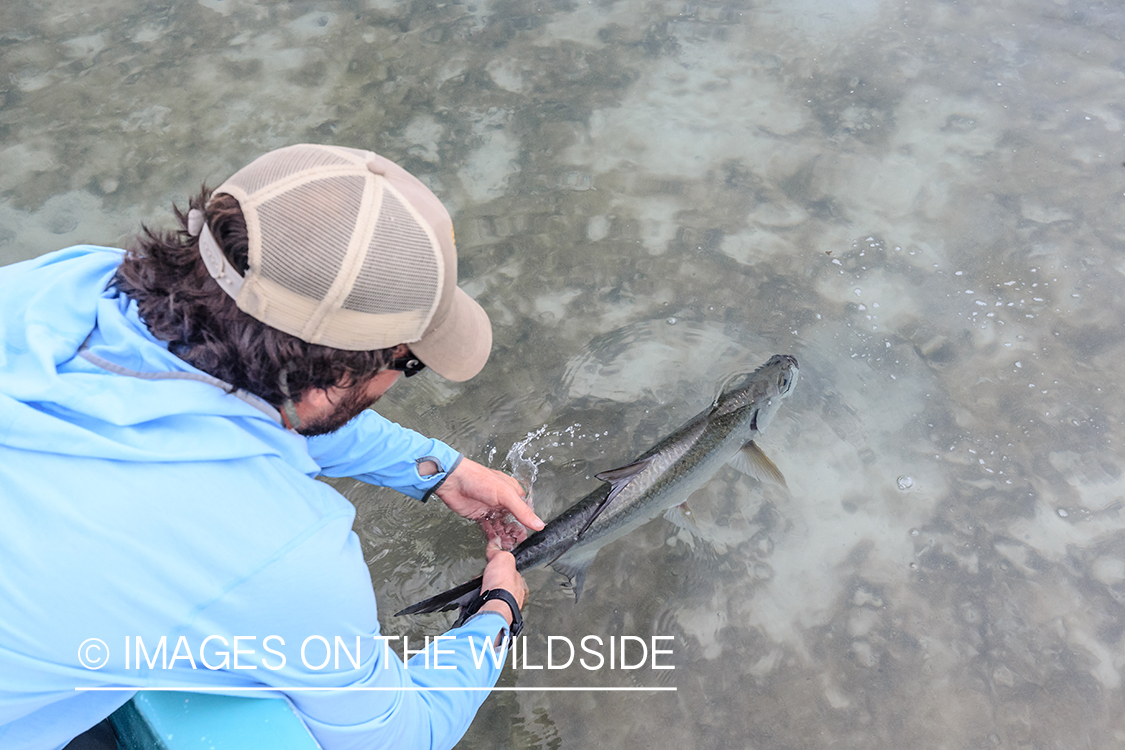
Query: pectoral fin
x=751, y=461
x=575, y=573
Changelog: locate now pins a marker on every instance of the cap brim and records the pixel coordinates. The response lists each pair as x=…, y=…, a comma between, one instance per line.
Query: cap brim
x=459, y=346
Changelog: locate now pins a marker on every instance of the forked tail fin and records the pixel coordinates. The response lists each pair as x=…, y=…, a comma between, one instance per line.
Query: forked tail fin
x=459, y=596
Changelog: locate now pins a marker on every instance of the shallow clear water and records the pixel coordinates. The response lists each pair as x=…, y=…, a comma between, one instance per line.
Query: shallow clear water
x=921, y=201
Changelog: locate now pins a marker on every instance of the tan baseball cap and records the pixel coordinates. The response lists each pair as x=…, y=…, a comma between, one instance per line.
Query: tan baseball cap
x=349, y=250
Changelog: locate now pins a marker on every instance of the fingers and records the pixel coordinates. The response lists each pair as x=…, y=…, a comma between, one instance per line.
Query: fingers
x=498, y=526
x=513, y=501
x=521, y=510
x=501, y=573
x=473, y=490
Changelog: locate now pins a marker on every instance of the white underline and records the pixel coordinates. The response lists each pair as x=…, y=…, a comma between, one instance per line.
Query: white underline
x=196, y=689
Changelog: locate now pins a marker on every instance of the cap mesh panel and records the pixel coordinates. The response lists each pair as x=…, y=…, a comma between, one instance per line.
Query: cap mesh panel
x=318, y=218
x=400, y=271
x=266, y=171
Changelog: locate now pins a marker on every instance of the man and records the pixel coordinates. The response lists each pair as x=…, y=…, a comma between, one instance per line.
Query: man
x=163, y=414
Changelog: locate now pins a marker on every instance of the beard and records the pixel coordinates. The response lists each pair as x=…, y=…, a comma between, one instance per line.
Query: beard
x=350, y=406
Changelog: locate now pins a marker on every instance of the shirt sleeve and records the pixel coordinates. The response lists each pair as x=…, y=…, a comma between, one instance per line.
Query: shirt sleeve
x=375, y=450
x=316, y=605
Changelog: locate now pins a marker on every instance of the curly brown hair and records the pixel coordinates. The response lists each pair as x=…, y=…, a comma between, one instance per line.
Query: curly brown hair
x=181, y=304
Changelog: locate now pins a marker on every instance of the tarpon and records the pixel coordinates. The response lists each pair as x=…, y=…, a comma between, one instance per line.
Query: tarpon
x=658, y=480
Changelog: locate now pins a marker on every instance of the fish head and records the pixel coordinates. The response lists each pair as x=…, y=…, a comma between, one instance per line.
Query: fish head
x=784, y=369
x=759, y=396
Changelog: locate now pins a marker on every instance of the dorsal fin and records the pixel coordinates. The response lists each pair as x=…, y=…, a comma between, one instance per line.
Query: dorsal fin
x=620, y=477
x=618, y=480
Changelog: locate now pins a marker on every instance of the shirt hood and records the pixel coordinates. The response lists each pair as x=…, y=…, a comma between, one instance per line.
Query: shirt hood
x=53, y=399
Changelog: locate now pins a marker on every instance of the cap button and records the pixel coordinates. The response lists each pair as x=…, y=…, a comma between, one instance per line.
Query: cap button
x=375, y=168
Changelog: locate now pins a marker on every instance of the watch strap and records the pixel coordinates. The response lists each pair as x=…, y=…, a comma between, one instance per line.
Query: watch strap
x=505, y=596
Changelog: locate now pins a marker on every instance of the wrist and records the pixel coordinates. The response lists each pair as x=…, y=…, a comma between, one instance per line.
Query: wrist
x=499, y=608
x=434, y=489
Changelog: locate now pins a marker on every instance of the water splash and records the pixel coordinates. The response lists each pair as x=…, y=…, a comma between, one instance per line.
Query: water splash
x=526, y=456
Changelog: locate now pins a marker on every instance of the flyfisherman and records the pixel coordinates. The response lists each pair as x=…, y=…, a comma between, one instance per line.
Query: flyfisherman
x=163, y=415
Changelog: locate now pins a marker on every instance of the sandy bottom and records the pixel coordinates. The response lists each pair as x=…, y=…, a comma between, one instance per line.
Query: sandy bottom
x=922, y=204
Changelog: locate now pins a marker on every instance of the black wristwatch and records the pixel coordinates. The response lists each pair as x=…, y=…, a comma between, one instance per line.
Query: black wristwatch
x=486, y=596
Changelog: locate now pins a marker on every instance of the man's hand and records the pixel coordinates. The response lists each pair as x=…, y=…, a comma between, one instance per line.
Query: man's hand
x=501, y=573
x=486, y=496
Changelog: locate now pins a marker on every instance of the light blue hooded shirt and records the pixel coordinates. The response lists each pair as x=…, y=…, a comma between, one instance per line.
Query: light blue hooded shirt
x=142, y=508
